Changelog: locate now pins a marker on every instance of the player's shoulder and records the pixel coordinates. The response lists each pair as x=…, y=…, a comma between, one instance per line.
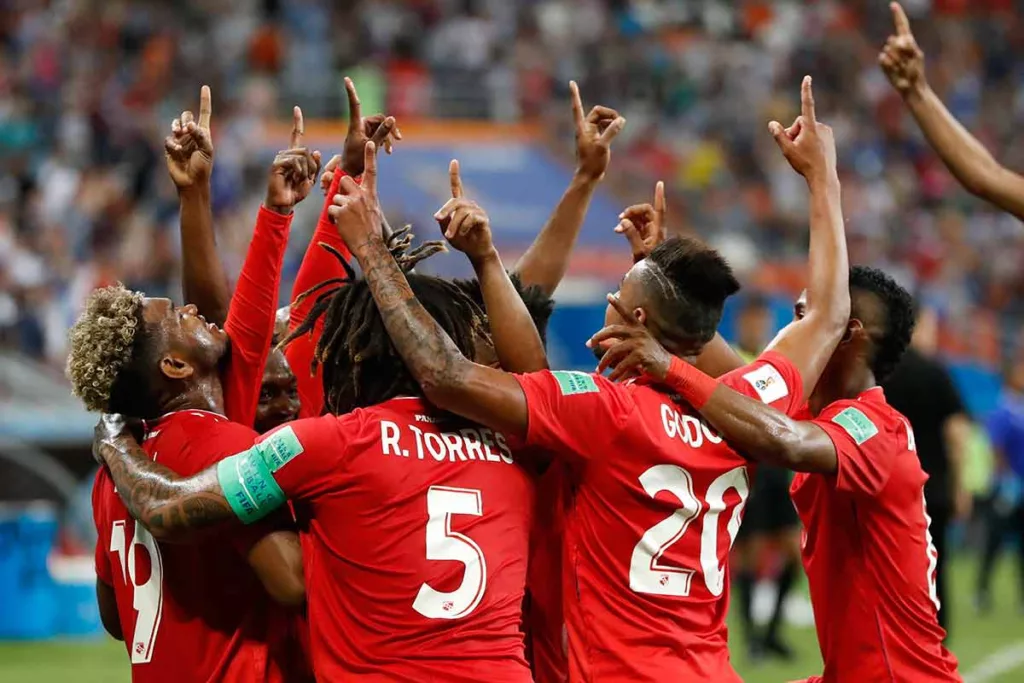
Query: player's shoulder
x=770, y=377
x=190, y=440
x=870, y=417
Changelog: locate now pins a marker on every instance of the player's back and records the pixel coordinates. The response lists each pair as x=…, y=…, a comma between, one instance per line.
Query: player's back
x=868, y=551
x=657, y=501
x=189, y=612
x=419, y=527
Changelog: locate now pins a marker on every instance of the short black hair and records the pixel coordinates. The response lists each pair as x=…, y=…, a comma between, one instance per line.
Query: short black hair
x=689, y=287
x=537, y=301
x=361, y=366
x=899, y=317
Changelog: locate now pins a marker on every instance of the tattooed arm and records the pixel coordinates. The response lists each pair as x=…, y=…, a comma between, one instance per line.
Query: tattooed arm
x=449, y=380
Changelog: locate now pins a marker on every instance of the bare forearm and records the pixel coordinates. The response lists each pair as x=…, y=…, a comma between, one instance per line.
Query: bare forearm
x=545, y=262
x=204, y=281
x=828, y=283
x=168, y=505
x=516, y=340
x=764, y=434
x=962, y=153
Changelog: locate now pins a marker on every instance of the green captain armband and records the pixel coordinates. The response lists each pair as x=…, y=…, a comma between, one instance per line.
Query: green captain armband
x=249, y=485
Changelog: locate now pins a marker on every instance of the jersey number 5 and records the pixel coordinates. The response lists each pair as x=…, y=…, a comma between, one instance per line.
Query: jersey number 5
x=647, y=574
x=148, y=597
x=445, y=544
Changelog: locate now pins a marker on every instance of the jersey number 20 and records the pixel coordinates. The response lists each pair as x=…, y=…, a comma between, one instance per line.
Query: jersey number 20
x=445, y=544
x=148, y=597
x=647, y=574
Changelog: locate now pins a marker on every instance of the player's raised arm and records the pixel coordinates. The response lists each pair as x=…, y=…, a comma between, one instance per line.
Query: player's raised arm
x=467, y=228
x=966, y=158
x=448, y=379
x=545, y=262
x=189, y=154
x=810, y=149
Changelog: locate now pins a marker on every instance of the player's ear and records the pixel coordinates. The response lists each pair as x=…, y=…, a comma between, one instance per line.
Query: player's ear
x=640, y=314
x=174, y=367
x=854, y=328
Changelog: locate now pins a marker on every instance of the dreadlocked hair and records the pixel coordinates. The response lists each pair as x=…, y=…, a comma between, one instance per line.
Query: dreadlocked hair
x=361, y=366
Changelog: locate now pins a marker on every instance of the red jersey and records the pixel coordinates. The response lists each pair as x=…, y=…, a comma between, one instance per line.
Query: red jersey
x=868, y=552
x=189, y=612
x=418, y=527
x=657, y=501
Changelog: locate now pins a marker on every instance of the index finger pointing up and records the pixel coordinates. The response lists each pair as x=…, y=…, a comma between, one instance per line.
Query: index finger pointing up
x=455, y=179
x=899, y=18
x=659, y=202
x=355, y=116
x=807, y=100
x=206, y=107
x=577, y=105
x=370, y=168
x=298, y=127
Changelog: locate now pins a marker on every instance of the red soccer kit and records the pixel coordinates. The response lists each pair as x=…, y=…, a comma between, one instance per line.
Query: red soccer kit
x=418, y=527
x=868, y=552
x=657, y=501
x=189, y=612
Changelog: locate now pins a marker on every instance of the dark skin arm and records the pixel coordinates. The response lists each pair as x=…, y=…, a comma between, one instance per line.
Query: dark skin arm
x=753, y=428
x=107, y=601
x=516, y=341
x=966, y=158
x=189, y=154
x=545, y=262
x=449, y=380
x=175, y=508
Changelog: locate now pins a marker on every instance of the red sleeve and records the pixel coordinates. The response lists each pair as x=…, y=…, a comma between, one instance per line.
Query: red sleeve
x=867, y=443
x=572, y=413
x=103, y=571
x=252, y=314
x=317, y=266
x=309, y=456
x=223, y=440
x=771, y=379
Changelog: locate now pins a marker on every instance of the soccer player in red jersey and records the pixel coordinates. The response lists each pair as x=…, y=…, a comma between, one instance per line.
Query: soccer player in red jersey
x=191, y=613
x=657, y=495
x=859, y=490
x=419, y=520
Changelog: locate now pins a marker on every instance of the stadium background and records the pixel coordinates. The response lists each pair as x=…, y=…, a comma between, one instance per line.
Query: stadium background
x=88, y=89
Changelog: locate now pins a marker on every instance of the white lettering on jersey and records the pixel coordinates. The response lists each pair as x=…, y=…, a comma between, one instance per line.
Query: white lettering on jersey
x=768, y=383
x=468, y=444
x=911, y=441
x=690, y=430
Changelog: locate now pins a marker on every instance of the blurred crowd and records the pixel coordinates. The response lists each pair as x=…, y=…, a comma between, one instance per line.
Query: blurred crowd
x=88, y=89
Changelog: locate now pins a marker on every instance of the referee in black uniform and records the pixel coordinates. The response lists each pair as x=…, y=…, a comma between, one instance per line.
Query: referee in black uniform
x=770, y=517
x=923, y=391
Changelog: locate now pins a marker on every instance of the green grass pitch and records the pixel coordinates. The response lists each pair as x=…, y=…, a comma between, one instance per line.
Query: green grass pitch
x=990, y=648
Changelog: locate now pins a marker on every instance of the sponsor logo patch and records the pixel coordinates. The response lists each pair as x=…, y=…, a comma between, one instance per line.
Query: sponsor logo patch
x=768, y=383
x=856, y=424
x=575, y=382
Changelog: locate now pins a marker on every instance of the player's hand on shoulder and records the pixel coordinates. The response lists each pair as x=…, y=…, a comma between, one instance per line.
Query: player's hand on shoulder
x=293, y=172
x=110, y=428
x=808, y=145
x=382, y=130
x=464, y=223
x=901, y=59
x=594, y=135
x=643, y=225
x=629, y=349
x=355, y=210
x=188, y=150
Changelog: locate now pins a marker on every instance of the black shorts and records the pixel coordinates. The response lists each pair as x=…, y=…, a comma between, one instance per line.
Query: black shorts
x=769, y=508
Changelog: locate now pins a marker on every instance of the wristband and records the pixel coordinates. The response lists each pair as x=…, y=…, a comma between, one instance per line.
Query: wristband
x=690, y=383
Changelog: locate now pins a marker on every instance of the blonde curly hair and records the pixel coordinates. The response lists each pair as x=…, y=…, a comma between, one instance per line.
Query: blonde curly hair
x=102, y=344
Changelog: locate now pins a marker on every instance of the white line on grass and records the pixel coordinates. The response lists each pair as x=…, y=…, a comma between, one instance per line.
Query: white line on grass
x=999, y=662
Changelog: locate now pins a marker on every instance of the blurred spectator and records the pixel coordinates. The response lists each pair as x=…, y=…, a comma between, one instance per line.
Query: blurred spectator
x=88, y=89
x=1006, y=505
